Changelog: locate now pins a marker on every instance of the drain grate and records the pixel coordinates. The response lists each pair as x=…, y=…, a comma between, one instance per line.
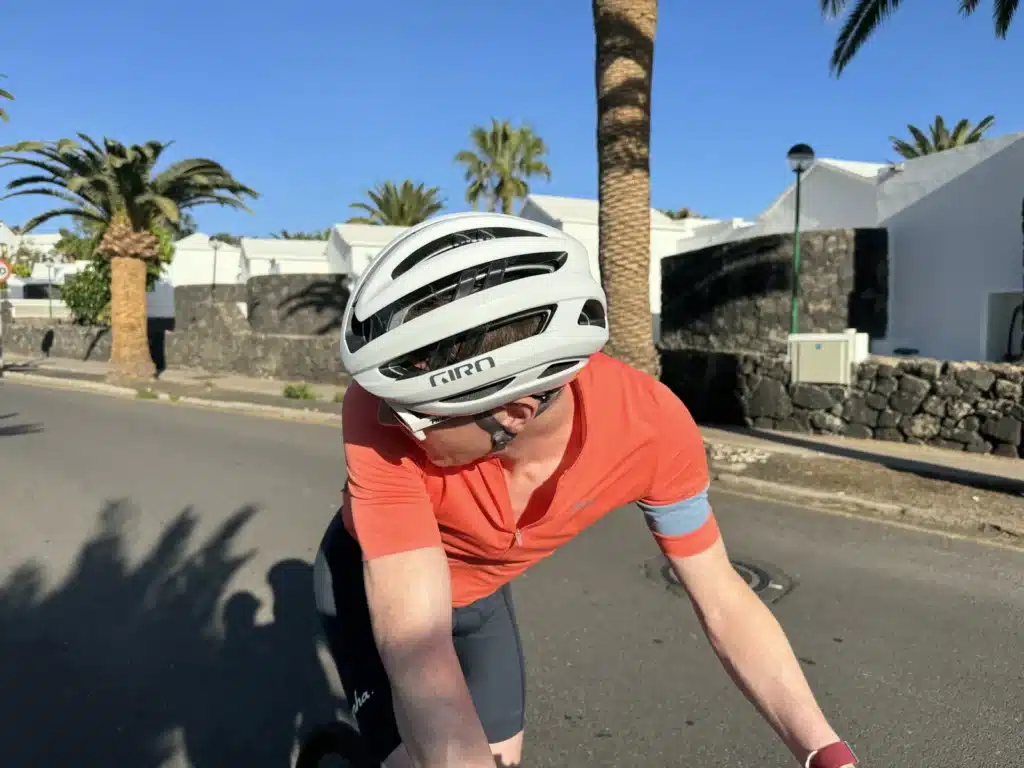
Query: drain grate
x=768, y=582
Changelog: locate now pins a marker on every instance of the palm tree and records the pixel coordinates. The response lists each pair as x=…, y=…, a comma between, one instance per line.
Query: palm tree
x=941, y=138
x=117, y=188
x=403, y=206
x=868, y=15
x=624, y=32
x=319, y=234
x=5, y=95
x=501, y=163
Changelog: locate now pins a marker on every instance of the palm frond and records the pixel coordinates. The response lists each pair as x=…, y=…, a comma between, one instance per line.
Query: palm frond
x=866, y=17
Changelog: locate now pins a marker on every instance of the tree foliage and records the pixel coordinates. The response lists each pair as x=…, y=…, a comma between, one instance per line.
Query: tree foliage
x=867, y=16
x=499, y=166
x=87, y=294
x=681, y=213
x=398, y=206
x=97, y=180
x=939, y=138
x=319, y=234
x=227, y=238
x=9, y=97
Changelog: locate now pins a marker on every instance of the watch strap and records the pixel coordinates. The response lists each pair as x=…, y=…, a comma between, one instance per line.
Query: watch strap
x=834, y=755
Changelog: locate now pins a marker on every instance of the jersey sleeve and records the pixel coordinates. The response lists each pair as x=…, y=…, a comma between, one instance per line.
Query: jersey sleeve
x=676, y=505
x=386, y=506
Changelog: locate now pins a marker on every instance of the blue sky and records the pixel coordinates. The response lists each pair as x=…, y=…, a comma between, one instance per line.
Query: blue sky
x=312, y=102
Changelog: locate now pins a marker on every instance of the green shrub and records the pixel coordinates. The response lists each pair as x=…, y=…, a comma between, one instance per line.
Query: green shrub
x=299, y=392
x=87, y=294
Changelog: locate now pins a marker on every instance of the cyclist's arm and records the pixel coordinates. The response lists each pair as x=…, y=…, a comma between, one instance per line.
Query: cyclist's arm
x=388, y=511
x=411, y=608
x=743, y=632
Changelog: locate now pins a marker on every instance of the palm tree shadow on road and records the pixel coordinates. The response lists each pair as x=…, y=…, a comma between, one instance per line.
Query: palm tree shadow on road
x=13, y=430
x=124, y=663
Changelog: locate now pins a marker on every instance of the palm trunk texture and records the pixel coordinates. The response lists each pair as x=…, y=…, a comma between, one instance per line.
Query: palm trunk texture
x=129, y=353
x=624, y=31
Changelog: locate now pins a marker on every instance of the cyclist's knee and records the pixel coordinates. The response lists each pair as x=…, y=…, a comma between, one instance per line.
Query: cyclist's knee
x=507, y=754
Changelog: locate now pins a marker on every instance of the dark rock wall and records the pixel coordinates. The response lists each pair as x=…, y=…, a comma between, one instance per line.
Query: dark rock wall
x=736, y=296
x=971, y=407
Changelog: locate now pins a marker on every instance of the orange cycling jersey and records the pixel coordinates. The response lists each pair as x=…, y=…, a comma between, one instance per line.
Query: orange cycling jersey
x=634, y=442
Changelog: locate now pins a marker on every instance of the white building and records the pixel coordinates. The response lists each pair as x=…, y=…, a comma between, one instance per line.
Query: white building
x=579, y=218
x=352, y=247
x=270, y=256
x=954, y=220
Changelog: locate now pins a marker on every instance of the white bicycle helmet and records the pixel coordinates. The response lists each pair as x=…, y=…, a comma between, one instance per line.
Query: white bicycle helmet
x=415, y=318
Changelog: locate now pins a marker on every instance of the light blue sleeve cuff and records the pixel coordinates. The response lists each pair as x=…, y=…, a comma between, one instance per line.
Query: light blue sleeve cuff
x=680, y=517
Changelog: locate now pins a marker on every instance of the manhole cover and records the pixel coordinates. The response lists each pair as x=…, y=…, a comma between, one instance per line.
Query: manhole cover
x=768, y=582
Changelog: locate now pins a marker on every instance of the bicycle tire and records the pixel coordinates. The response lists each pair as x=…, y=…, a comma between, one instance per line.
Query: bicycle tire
x=334, y=740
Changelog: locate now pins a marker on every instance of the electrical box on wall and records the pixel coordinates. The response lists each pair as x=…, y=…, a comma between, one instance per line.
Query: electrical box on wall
x=826, y=358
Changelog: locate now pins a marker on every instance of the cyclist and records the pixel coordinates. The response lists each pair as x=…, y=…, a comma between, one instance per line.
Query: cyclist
x=483, y=430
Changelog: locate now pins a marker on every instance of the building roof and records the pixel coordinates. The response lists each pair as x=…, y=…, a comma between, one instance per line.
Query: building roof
x=283, y=250
x=581, y=210
x=885, y=189
x=367, y=234
x=911, y=180
x=856, y=167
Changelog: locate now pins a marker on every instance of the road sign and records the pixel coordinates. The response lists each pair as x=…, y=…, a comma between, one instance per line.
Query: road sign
x=5, y=271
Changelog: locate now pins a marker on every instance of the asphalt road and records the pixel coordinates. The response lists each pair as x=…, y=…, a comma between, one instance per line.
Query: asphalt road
x=155, y=611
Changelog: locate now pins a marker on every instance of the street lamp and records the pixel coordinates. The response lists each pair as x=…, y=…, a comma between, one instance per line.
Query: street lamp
x=215, y=244
x=800, y=158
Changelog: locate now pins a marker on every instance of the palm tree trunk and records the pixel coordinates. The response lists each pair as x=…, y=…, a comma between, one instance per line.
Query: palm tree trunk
x=624, y=30
x=129, y=354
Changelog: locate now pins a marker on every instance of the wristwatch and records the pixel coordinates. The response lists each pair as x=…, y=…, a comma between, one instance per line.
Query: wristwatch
x=833, y=756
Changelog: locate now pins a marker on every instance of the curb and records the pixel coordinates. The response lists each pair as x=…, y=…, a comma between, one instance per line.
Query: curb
x=291, y=414
x=56, y=382
x=867, y=508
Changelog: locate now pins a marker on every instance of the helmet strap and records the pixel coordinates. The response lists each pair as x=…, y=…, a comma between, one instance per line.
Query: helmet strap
x=500, y=436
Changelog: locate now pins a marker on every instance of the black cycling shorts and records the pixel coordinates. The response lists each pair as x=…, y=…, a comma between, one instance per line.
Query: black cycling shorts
x=484, y=633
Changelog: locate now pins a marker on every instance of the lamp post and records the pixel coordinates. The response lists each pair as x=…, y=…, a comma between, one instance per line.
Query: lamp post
x=50, y=268
x=215, y=244
x=800, y=158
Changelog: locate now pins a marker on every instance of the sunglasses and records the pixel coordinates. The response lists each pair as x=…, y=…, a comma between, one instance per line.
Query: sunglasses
x=412, y=422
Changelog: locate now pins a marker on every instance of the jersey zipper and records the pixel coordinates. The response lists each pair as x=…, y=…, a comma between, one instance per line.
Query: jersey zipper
x=519, y=536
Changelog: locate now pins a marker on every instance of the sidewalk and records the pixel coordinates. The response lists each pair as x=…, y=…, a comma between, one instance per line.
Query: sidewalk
x=931, y=487
x=192, y=383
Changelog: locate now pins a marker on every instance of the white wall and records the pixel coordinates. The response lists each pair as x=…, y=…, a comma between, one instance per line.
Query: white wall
x=194, y=266
x=829, y=199
x=951, y=249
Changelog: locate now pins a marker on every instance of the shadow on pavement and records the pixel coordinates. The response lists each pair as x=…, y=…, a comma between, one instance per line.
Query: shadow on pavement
x=125, y=662
x=13, y=430
x=926, y=469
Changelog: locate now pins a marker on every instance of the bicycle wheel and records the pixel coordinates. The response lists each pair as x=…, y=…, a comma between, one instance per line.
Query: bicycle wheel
x=334, y=745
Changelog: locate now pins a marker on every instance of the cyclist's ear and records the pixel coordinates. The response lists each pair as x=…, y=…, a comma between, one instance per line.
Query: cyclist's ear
x=516, y=415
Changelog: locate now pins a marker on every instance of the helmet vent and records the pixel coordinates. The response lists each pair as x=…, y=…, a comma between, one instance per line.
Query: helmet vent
x=593, y=314
x=456, y=240
x=556, y=368
x=479, y=393
x=468, y=344
x=451, y=288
